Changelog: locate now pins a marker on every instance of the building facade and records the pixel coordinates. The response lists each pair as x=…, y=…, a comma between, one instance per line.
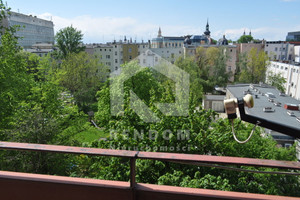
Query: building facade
x=246, y=47
x=293, y=36
x=291, y=73
x=279, y=50
x=32, y=31
x=114, y=54
x=166, y=41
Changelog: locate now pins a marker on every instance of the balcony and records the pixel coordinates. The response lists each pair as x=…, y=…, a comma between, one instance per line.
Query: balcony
x=16, y=185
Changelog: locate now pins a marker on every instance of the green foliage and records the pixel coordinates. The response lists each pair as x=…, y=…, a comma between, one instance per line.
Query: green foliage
x=69, y=40
x=245, y=39
x=207, y=69
x=276, y=80
x=35, y=109
x=206, y=136
x=81, y=74
x=252, y=66
x=14, y=82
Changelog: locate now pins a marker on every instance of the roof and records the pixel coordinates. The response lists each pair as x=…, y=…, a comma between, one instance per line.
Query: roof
x=215, y=97
x=279, y=116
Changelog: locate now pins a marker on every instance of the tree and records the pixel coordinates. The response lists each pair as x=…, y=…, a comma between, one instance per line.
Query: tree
x=69, y=40
x=14, y=79
x=245, y=39
x=276, y=80
x=256, y=68
x=82, y=75
x=206, y=136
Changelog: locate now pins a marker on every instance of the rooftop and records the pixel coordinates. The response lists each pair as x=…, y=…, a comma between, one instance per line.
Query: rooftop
x=267, y=96
x=215, y=97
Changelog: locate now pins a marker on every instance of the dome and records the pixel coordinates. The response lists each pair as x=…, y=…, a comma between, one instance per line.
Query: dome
x=187, y=40
x=223, y=41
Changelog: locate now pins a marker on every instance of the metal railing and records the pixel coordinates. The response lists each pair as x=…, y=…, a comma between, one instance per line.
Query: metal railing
x=133, y=189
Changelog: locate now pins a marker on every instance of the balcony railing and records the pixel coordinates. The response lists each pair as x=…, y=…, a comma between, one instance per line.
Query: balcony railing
x=15, y=185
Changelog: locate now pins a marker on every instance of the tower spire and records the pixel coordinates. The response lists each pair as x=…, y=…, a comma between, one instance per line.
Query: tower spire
x=250, y=32
x=159, y=33
x=207, y=32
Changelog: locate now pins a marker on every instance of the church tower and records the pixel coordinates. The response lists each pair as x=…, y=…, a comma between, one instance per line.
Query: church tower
x=159, y=33
x=207, y=32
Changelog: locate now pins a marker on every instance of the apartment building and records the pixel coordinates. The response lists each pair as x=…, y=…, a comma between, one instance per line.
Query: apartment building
x=32, y=31
x=291, y=73
x=280, y=50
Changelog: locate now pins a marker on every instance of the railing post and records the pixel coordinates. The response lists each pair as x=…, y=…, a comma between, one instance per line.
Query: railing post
x=132, y=172
x=132, y=175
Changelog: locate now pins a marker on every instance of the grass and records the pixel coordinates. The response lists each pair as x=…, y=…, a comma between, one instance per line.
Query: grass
x=90, y=135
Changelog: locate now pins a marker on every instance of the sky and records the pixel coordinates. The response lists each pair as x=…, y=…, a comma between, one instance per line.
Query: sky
x=105, y=20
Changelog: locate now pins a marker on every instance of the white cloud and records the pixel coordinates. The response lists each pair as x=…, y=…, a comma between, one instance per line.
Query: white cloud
x=109, y=28
x=104, y=29
x=267, y=33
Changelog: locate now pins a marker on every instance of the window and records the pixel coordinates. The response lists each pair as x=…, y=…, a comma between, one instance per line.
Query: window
x=116, y=68
x=144, y=61
x=116, y=60
x=116, y=53
x=100, y=49
x=179, y=52
x=287, y=145
x=156, y=59
x=276, y=48
x=229, y=68
x=129, y=50
x=108, y=56
x=230, y=50
x=109, y=49
x=130, y=57
x=104, y=49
